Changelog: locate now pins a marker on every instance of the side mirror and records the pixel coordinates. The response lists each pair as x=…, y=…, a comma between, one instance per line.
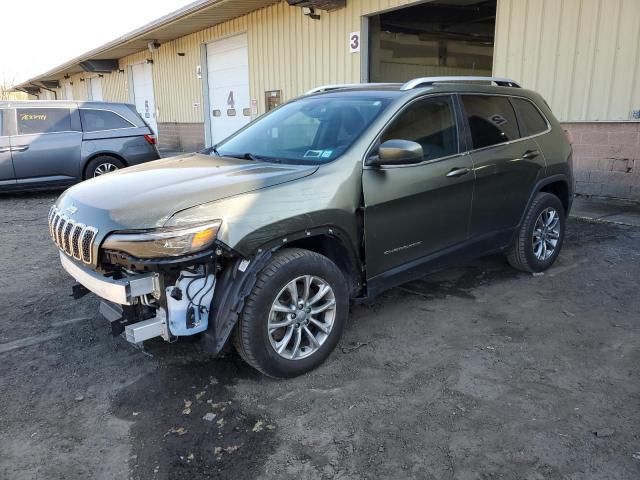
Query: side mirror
x=397, y=152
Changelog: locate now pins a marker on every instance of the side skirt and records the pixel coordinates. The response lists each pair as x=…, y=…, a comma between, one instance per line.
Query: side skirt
x=457, y=255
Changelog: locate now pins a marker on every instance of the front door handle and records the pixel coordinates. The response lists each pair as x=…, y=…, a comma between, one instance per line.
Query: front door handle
x=458, y=172
x=21, y=148
x=530, y=154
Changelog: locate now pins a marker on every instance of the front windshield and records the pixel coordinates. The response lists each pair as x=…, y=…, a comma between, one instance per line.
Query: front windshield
x=311, y=130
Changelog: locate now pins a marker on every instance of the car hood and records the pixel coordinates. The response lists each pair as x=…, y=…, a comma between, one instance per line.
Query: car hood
x=147, y=195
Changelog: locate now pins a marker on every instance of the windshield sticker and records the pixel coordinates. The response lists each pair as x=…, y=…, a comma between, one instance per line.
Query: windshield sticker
x=326, y=153
x=313, y=153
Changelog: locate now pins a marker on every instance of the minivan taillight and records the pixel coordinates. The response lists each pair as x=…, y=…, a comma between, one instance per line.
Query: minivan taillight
x=151, y=139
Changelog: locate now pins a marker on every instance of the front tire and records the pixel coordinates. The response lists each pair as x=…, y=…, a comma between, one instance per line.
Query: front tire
x=295, y=314
x=540, y=237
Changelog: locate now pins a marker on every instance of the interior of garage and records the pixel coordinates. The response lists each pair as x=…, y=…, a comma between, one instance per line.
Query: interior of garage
x=450, y=37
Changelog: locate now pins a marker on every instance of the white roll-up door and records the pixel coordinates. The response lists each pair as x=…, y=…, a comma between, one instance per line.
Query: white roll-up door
x=143, y=93
x=228, y=79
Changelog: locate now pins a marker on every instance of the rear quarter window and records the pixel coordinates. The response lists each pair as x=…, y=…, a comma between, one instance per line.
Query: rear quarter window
x=531, y=120
x=43, y=120
x=96, y=120
x=492, y=120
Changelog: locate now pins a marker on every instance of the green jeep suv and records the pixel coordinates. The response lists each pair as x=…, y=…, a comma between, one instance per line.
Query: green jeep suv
x=263, y=239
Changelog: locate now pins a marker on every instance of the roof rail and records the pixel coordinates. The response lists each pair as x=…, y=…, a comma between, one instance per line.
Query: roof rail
x=338, y=86
x=430, y=81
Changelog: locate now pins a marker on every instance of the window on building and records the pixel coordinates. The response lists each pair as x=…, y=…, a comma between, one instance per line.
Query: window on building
x=531, y=120
x=492, y=120
x=431, y=123
x=95, y=120
x=43, y=120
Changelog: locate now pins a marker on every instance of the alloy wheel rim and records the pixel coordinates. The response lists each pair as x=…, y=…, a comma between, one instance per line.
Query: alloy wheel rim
x=301, y=317
x=546, y=234
x=104, y=168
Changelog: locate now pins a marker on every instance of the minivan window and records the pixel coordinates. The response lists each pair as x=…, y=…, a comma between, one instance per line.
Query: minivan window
x=491, y=118
x=311, y=130
x=429, y=122
x=43, y=120
x=531, y=120
x=95, y=120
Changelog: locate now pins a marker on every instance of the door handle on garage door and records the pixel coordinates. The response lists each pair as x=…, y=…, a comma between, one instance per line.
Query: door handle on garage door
x=458, y=172
x=530, y=154
x=21, y=148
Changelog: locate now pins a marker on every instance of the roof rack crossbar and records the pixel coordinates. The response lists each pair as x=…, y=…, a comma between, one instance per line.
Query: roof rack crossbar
x=338, y=86
x=430, y=81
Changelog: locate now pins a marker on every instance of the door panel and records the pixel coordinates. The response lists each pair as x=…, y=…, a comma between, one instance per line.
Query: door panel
x=416, y=210
x=504, y=182
x=7, y=175
x=506, y=165
x=228, y=78
x=45, y=148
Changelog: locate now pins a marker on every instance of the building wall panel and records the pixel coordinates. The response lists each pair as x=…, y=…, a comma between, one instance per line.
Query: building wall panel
x=582, y=55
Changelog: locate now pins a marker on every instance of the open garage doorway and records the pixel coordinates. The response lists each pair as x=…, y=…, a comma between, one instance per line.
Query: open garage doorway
x=437, y=38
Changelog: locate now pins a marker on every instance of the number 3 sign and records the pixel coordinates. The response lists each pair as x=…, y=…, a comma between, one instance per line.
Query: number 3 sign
x=354, y=42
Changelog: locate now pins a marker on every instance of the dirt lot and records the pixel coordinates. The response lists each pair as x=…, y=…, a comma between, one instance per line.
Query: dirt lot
x=475, y=373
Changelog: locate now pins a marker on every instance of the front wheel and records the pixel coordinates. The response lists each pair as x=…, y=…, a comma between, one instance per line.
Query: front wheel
x=295, y=314
x=540, y=237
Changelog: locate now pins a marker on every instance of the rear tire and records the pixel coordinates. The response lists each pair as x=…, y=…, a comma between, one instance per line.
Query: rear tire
x=539, y=239
x=298, y=295
x=102, y=165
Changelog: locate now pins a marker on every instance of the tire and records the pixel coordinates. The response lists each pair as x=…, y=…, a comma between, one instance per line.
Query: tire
x=258, y=345
x=103, y=163
x=530, y=253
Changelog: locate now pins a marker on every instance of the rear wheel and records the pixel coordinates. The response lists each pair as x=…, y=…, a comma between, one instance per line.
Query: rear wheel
x=102, y=165
x=539, y=240
x=295, y=315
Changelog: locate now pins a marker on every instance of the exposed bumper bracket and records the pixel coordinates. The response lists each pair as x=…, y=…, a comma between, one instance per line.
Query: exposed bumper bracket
x=122, y=292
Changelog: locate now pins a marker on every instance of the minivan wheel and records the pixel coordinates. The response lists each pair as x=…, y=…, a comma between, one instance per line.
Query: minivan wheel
x=102, y=165
x=539, y=240
x=295, y=314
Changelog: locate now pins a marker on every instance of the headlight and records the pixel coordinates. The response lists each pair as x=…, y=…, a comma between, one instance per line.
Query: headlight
x=164, y=242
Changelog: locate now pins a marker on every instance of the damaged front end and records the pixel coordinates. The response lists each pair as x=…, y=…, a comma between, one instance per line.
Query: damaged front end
x=168, y=282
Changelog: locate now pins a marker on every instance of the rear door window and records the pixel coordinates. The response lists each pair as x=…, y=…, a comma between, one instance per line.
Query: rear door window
x=43, y=120
x=429, y=122
x=531, y=120
x=492, y=120
x=96, y=120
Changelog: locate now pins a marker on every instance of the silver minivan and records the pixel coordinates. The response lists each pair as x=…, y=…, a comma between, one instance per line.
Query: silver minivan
x=57, y=143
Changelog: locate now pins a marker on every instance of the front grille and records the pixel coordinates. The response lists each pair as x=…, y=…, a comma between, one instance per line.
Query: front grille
x=73, y=238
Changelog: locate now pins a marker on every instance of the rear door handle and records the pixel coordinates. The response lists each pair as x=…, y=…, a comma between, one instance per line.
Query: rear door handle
x=5, y=149
x=21, y=148
x=529, y=154
x=458, y=172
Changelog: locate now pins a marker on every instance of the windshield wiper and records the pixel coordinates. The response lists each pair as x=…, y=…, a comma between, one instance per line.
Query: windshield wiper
x=215, y=150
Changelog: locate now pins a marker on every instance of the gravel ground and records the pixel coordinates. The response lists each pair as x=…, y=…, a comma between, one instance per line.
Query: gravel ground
x=474, y=373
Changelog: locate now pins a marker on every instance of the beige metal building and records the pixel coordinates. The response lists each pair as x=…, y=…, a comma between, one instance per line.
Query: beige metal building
x=201, y=72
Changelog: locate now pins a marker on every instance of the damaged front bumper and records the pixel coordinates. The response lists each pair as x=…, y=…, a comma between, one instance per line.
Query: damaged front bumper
x=147, y=305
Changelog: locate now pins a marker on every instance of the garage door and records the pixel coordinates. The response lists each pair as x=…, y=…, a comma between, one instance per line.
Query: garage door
x=228, y=77
x=143, y=93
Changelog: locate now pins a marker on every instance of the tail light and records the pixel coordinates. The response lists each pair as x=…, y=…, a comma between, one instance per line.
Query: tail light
x=151, y=139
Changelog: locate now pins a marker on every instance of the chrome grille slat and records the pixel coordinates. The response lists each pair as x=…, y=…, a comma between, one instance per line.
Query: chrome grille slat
x=74, y=239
